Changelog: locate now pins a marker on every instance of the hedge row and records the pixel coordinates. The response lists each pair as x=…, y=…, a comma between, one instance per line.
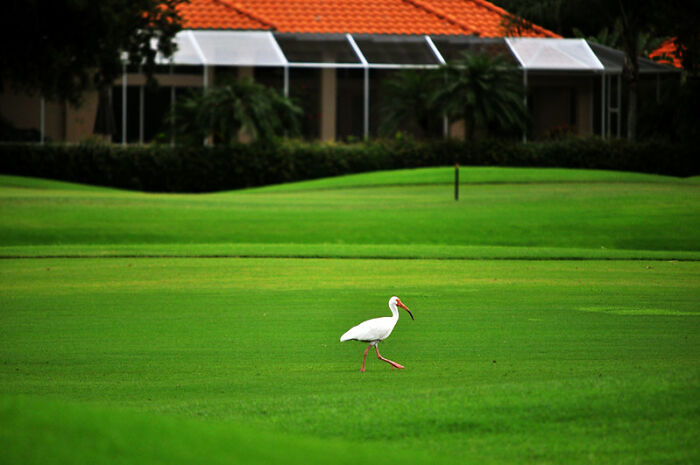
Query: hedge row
x=201, y=169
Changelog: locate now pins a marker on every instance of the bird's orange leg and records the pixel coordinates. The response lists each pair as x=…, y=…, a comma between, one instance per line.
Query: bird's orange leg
x=365, y=357
x=394, y=364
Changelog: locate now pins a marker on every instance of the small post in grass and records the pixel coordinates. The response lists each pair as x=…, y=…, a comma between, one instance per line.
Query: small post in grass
x=456, y=181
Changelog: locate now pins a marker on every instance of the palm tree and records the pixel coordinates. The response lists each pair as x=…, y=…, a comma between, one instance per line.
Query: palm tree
x=409, y=104
x=646, y=41
x=234, y=107
x=483, y=90
x=636, y=19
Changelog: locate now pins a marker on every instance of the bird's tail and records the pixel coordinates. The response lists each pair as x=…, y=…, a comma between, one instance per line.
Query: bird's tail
x=347, y=336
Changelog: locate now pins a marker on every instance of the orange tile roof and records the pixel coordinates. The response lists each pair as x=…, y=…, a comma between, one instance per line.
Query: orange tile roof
x=667, y=53
x=218, y=14
x=485, y=17
x=460, y=17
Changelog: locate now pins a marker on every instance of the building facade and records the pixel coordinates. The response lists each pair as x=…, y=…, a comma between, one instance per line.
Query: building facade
x=331, y=57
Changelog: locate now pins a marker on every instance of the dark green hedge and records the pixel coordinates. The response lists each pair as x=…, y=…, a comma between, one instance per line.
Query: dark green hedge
x=201, y=169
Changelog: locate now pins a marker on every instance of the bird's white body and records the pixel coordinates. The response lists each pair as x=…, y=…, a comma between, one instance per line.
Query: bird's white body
x=375, y=330
x=372, y=331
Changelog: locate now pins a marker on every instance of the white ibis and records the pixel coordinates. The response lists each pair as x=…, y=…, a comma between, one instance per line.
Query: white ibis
x=376, y=330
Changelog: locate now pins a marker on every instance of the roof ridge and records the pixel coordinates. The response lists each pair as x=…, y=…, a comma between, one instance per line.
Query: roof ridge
x=438, y=12
x=242, y=10
x=490, y=6
x=498, y=9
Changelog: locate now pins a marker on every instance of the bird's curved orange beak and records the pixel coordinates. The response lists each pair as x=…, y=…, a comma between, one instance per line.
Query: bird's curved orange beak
x=400, y=304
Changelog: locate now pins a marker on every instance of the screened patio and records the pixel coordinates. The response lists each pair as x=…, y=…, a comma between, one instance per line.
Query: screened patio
x=337, y=77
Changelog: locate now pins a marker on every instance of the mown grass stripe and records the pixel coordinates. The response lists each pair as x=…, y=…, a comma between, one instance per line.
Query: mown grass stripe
x=218, y=361
x=350, y=257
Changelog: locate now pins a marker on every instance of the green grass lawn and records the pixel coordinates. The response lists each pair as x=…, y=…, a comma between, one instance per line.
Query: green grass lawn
x=506, y=362
x=123, y=356
x=553, y=209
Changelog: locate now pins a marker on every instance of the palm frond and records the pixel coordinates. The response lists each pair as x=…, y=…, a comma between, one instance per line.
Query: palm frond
x=232, y=107
x=484, y=91
x=407, y=102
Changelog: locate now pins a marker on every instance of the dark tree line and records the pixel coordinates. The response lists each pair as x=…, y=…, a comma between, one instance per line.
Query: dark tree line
x=638, y=21
x=60, y=48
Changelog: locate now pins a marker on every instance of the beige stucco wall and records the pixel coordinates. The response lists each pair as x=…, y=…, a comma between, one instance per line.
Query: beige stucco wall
x=168, y=80
x=54, y=120
x=20, y=109
x=246, y=72
x=555, y=99
x=457, y=130
x=329, y=86
x=585, y=108
x=66, y=123
x=551, y=100
x=62, y=121
x=80, y=121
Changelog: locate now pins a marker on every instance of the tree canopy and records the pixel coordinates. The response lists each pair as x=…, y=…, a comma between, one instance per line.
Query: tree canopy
x=232, y=108
x=611, y=20
x=485, y=91
x=640, y=21
x=68, y=46
x=409, y=103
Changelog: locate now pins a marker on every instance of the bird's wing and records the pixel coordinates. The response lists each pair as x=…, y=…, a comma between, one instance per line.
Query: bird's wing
x=370, y=330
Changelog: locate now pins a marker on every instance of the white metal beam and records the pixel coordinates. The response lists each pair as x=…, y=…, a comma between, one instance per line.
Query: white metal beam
x=42, y=122
x=619, y=103
x=435, y=50
x=142, y=104
x=124, y=103
x=277, y=48
x=197, y=48
x=602, y=106
x=356, y=49
x=172, y=107
x=525, y=101
x=365, y=113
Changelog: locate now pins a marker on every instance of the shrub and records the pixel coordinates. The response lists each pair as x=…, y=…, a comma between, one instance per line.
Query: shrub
x=203, y=169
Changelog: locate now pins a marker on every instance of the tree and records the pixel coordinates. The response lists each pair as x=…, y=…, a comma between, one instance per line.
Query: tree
x=646, y=41
x=679, y=19
x=483, y=90
x=234, y=107
x=69, y=46
x=640, y=21
x=409, y=104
